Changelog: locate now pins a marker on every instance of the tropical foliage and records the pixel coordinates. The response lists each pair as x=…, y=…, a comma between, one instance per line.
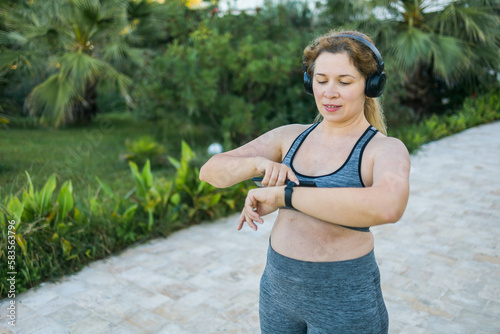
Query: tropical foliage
x=62, y=50
x=446, y=51
x=232, y=82
x=199, y=66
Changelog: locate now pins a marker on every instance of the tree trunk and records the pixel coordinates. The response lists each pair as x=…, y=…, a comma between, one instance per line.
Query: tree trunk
x=86, y=109
x=421, y=92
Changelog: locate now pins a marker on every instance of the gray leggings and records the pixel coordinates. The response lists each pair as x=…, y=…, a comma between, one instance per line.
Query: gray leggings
x=321, y=297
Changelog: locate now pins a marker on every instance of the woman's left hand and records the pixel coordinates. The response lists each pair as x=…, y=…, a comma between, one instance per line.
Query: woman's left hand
x=260, y=202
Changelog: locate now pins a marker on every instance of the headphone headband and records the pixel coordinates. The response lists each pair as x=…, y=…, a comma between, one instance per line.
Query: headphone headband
x=376, y=52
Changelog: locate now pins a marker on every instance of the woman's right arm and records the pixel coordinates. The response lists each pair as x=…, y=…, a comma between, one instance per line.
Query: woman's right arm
x=261, y=156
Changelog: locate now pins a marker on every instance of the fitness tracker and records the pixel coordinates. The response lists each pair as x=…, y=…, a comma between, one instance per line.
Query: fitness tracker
x=288, y=195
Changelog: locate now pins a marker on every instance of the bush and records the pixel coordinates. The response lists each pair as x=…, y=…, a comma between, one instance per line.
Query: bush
x=143, y=149
x=234, y=76
x=475, y=111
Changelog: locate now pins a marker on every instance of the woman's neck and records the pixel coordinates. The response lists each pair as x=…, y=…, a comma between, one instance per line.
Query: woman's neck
x=334, y=129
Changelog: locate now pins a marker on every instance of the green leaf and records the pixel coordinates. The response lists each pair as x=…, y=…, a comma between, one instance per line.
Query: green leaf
x=175, y=199
x=150, y=220
x=166, y=191
x=187, y=153
x=31, y=208
x=129, y=213
x=95, y=206
x=65, y=199
x=147, y=176
x=44, y=198
x=79, y=215
x=66, y=246
x=107, y=190
x=30, y=185
x=62, y=228
x=176, y=163
x=139, y=182
x=215, y=199
x=15, y=209
x=22, y=243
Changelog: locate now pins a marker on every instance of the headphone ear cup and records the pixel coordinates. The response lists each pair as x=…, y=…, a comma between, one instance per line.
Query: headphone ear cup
x=308, y=85
x=375, y=85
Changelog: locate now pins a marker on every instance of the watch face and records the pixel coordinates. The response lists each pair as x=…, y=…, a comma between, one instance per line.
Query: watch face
x=257, y=181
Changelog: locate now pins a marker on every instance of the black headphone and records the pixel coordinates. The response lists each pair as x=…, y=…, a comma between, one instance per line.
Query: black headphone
x=375, y=83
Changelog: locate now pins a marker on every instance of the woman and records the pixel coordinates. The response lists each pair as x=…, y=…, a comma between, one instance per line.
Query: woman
x=321, y=275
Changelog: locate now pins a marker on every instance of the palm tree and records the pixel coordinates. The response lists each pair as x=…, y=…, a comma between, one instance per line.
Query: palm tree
x=67, y=48
x=438, y=45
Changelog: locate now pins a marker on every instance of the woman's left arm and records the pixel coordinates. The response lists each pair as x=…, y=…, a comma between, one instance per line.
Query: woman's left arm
x=383, y=202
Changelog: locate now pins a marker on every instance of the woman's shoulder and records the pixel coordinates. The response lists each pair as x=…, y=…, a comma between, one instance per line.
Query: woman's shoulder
x=285, y=135
x=383, y=145
x=292, y=129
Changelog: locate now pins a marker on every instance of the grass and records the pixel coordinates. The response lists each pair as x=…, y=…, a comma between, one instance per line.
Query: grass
x=75, y=153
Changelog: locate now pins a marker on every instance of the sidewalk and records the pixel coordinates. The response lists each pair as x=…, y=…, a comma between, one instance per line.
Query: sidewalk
x=440, y=265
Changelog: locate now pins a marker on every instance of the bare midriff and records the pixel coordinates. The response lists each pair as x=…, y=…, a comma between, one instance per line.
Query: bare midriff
x=302, y=237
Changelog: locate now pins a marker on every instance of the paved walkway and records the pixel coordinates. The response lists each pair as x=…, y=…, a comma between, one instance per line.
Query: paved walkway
x=440, y=264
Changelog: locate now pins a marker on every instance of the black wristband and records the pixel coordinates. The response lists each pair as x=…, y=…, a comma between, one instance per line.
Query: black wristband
x=288, y=194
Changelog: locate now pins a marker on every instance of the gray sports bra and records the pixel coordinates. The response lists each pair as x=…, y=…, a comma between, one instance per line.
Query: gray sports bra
x=347, y=176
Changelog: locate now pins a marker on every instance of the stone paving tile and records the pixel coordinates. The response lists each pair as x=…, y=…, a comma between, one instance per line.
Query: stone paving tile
x=440, y=265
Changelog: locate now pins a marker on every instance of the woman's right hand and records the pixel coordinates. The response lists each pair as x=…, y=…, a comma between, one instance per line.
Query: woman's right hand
x=275, y=174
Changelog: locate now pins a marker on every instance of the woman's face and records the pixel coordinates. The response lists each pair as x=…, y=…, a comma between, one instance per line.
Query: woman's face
x=339, y=88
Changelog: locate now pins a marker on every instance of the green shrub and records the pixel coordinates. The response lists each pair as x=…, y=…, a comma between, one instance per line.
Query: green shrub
x=199, y=199
x=235, y=76
x=143, y=149
x=3, y=120
x=475, y=111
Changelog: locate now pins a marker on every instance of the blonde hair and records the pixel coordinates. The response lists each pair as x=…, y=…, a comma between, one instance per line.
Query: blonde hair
x=362, y=58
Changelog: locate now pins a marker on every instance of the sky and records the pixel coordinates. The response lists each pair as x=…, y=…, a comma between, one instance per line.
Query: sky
x=252, y=4
x=248, y=4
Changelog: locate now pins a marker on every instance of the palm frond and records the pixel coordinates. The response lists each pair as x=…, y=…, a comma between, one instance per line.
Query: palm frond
x=118, y=80
x=8, y=58
x=449, y=57
x=140, y=9
x=80, y=68
x=487, y=56
x=88, y=11
x=478, y=24
x=52, y=99
x=118, y=52
x=410, y=48
x=21, y=60
x=13, y=38
x=469, y=23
